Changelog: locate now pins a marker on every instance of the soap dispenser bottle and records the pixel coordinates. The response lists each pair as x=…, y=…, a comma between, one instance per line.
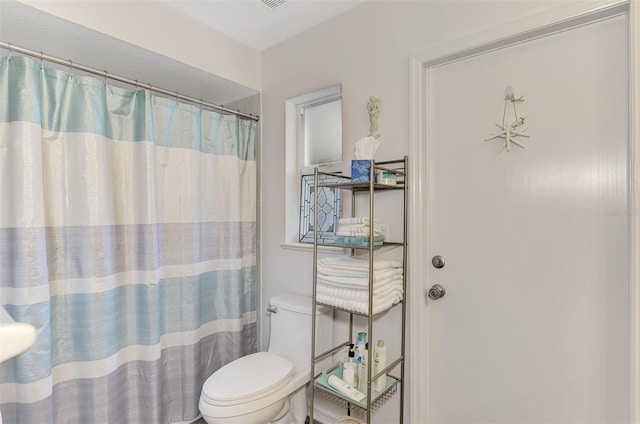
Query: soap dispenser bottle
x=350, y=368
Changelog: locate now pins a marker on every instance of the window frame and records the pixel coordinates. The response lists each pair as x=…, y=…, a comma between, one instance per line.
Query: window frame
x=294, y=163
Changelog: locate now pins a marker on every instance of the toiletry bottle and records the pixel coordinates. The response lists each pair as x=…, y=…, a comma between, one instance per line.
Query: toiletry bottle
x=350, y=368
x=380, y=363
x=347, y=390
x=362, y=378
x=360, y=344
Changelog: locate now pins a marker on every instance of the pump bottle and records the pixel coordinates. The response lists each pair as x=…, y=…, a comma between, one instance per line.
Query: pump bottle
x=350, y=368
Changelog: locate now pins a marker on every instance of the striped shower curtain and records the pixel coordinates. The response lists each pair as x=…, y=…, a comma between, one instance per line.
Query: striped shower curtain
x=128, y=239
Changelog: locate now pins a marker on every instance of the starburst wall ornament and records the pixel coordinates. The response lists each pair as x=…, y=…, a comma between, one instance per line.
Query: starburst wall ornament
x=509, y=132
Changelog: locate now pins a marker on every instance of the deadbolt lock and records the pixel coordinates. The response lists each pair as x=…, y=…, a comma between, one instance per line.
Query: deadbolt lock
x=438, y=261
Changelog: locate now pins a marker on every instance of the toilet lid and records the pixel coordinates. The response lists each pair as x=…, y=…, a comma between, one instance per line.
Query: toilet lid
x=248, y=378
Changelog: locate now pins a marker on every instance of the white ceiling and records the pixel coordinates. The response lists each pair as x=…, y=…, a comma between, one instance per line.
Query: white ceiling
x=257, y=25
x=27, y=27
x=248, y=21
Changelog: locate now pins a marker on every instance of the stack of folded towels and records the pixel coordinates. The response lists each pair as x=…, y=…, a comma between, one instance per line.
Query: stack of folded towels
x=356, y=232
x=344, y=282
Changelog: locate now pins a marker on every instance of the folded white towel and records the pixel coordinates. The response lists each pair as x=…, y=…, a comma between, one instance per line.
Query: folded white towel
x=364, y=300
x=380, y=304
x=356, y=282
x=360, y=295
x=356, y=220
x=358, y=227
x=377, y=275
x=335, y=289
x=355, y=264
x=353, y=231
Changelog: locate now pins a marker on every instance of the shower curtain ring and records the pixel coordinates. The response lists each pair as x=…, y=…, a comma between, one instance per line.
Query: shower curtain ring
x=70, y=66
x=41, y=59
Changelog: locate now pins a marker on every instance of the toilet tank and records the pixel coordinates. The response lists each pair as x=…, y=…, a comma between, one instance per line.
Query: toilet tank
x=290, y=334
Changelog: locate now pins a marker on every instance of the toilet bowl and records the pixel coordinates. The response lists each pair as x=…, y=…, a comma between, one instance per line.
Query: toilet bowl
x=252, y=389
x=269, y=387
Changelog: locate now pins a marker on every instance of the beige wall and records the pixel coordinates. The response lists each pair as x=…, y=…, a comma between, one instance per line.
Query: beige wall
x=366, y=49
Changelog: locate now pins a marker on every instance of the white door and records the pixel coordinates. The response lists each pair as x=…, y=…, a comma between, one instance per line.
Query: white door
x=533, y=325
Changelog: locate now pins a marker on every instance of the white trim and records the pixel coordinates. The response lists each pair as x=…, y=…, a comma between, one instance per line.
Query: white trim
x=633, y=23
x=518, y=31
x=418, y=201
x=537, y=25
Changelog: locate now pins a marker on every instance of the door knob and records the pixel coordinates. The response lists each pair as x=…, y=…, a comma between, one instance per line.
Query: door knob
x=436, y=292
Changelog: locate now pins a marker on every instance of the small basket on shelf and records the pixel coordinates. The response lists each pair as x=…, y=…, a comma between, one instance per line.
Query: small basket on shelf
x=378, y=398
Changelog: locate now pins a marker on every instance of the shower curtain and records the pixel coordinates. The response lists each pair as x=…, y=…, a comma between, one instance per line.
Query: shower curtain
x=128, y=239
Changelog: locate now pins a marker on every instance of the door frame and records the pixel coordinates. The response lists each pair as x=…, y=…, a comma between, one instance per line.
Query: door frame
x=518, y=31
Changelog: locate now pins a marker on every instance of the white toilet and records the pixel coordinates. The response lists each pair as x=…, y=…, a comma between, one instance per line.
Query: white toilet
x=269, y=387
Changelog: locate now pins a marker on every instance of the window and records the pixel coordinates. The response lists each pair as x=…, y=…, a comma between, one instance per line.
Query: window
x=313, y=138
x=321, y=142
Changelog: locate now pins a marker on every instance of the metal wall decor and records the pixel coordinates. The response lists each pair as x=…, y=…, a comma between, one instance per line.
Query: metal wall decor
x=510, y=131
x=329, y=209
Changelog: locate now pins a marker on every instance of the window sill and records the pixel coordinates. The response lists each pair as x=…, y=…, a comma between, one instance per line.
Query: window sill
x=305, y=247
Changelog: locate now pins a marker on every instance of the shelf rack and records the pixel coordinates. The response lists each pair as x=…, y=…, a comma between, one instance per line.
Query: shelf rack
x=365, y=408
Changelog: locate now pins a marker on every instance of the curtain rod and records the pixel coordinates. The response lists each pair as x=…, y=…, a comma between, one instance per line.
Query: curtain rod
x=105, y=74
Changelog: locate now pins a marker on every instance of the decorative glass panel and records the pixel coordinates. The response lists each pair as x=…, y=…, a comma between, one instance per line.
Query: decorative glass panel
x=329, y=209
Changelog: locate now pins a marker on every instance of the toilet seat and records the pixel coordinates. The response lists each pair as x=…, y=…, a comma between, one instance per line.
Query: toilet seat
x=247, y=379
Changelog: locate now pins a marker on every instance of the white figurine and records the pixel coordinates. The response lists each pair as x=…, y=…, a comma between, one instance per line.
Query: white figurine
x=374, y=109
